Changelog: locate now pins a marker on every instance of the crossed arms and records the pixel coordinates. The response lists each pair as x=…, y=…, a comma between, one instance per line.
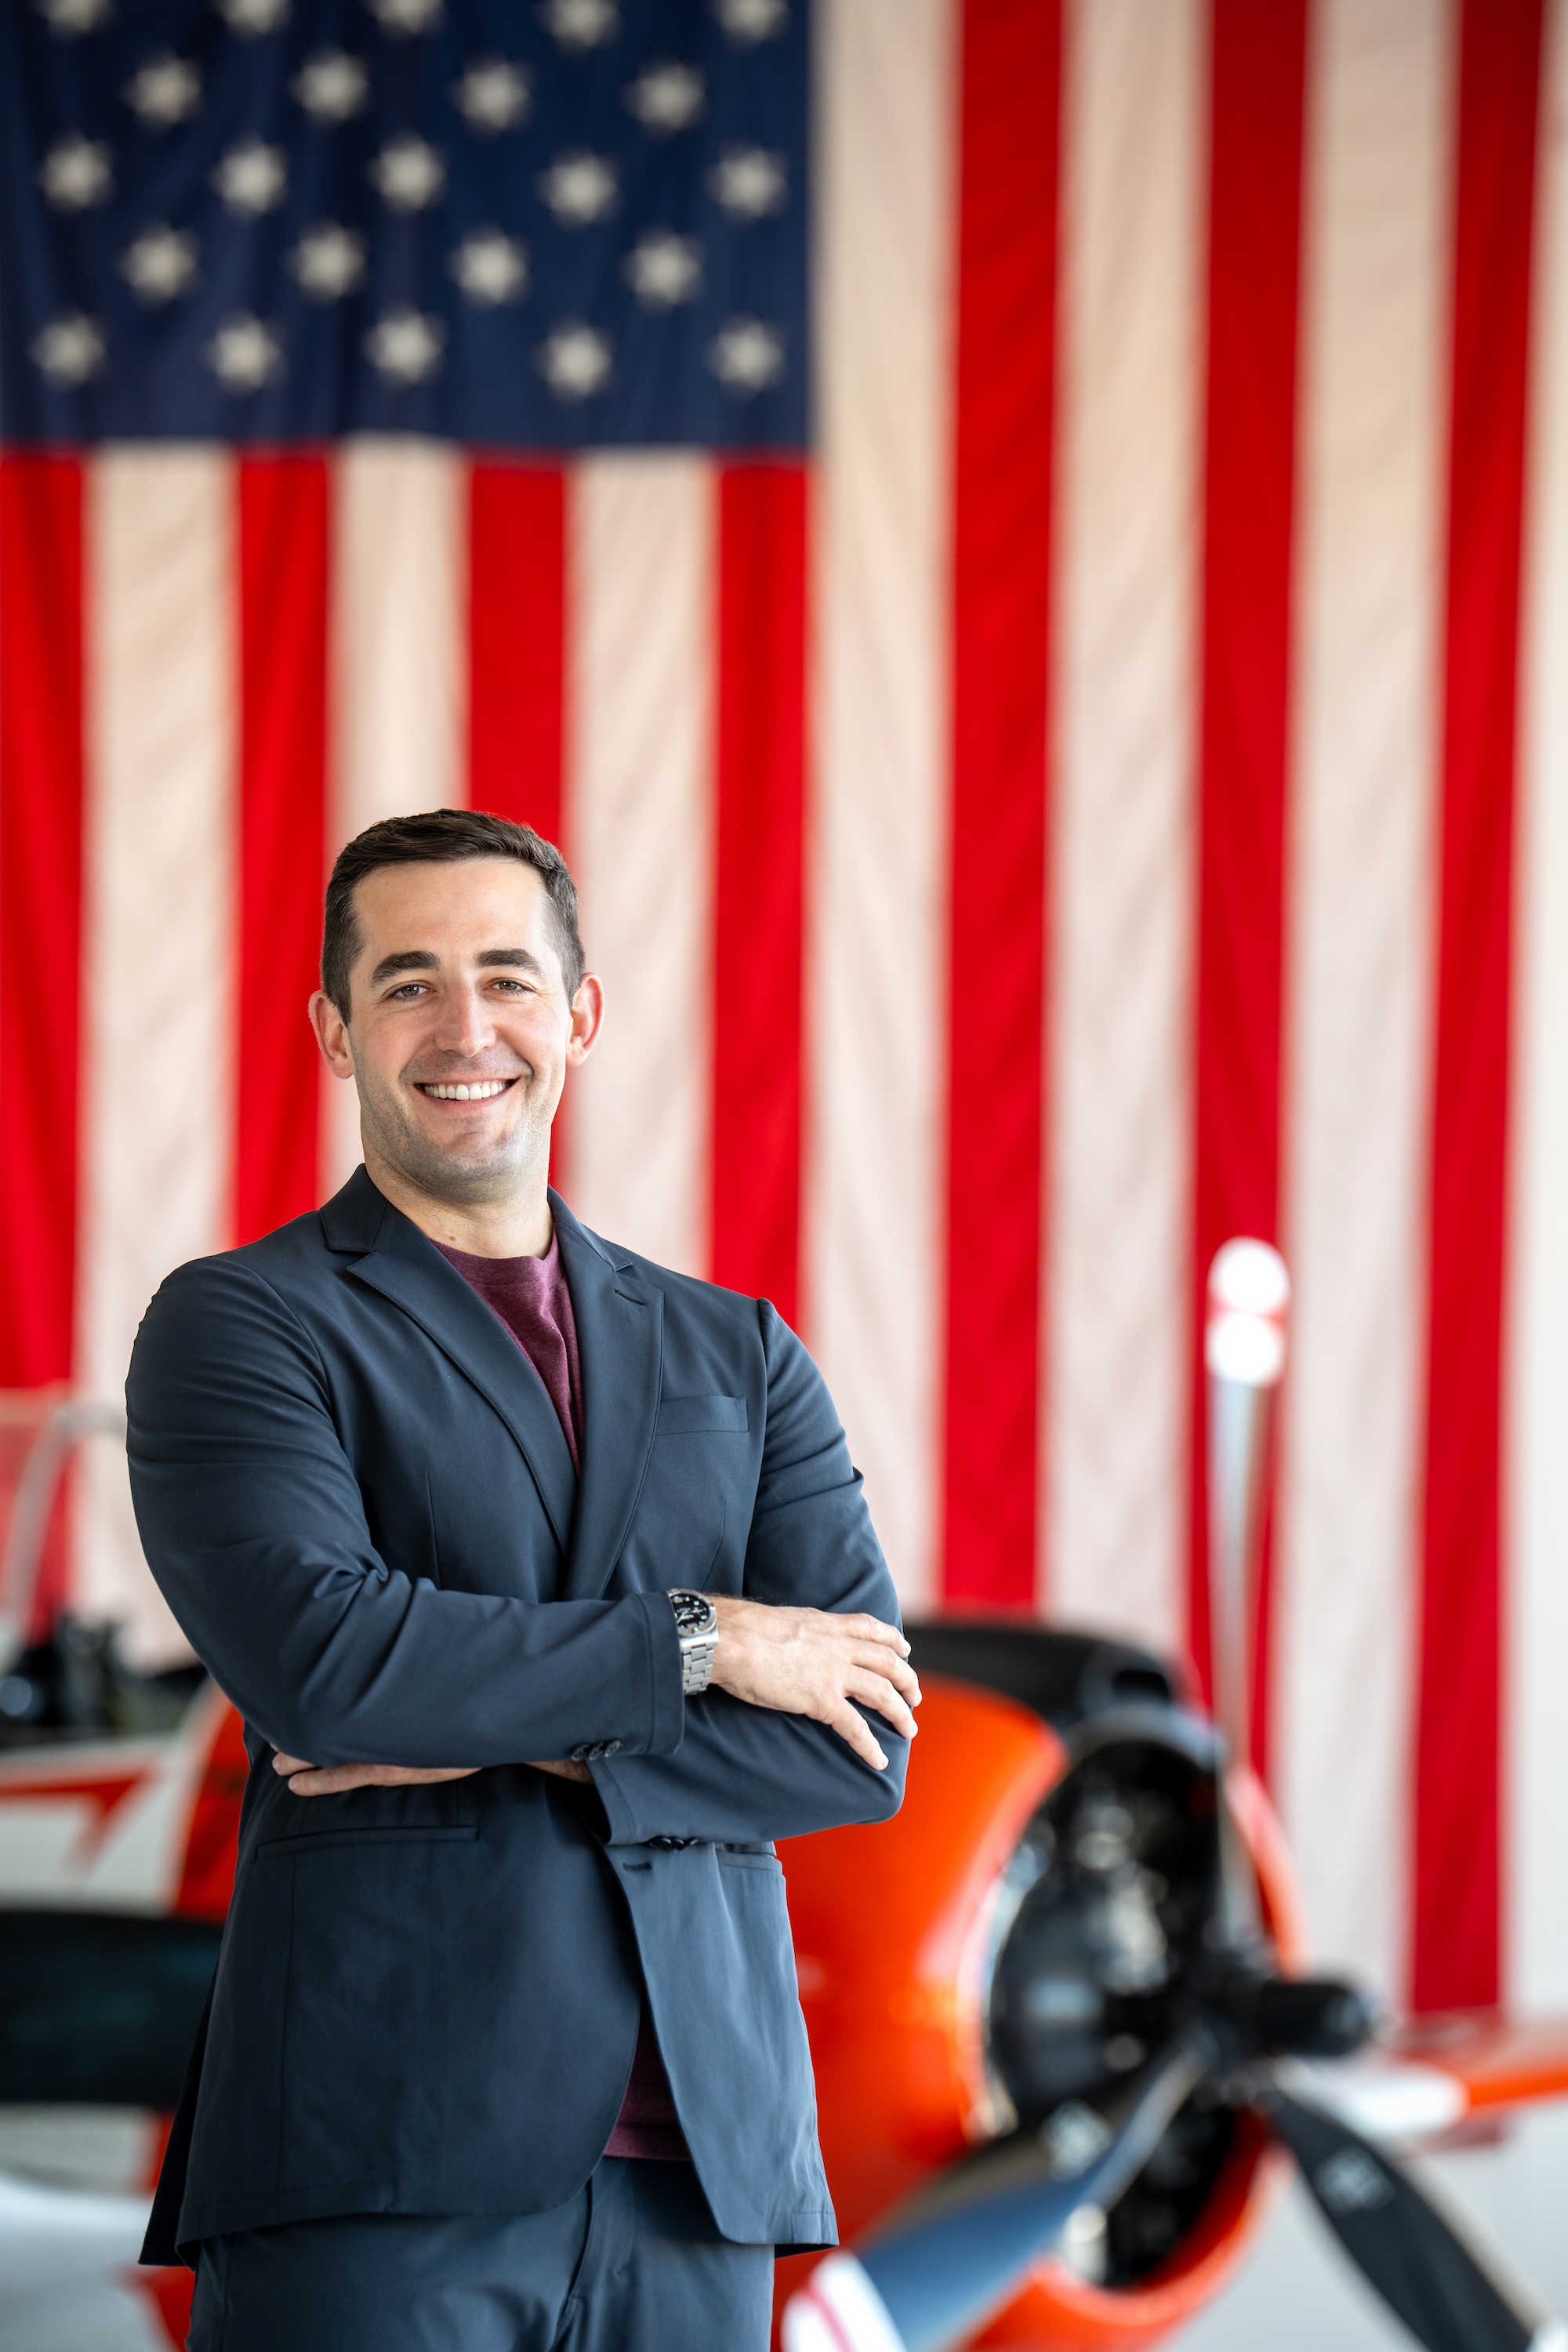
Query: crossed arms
x=801, y=1662
x=254, y=1525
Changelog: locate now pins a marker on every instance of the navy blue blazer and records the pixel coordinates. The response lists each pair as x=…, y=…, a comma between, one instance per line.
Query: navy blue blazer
x=353, y=1491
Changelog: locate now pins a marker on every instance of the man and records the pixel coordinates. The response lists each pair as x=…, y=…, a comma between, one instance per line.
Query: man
x=503, y=2048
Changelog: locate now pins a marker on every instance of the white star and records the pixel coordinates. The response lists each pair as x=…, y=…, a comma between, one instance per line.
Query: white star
x=491, y=267
x=160, y=264
x=579, y=24
x=69, y=349
x=400, y=17
x=748, y=356
x=493, y=94
x=408, y=172
x=331, y=86
x=579, y=188
x=251, y=17
x=666, y=98
x=751, y=20
x=406, y=345
x=663, y=269
x=574, y=362
x=244, y=354
x=748, y=182
x=329, y=261
x=76, y=172
x=67, y=18
x=164, y=92
x=251, y=177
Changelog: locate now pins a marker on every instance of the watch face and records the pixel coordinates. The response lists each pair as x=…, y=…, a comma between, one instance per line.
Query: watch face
x=694, y=1613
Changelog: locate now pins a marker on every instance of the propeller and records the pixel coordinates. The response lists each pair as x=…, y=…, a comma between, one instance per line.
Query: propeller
x=941, y=2264
x=932, y=2273
x=1414, y=2257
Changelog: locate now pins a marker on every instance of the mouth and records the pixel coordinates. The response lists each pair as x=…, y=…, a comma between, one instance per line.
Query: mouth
x=474, y=1090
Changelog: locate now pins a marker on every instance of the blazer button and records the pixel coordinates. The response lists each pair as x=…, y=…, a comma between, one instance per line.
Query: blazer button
x=584, y=1755
x=611, y=1748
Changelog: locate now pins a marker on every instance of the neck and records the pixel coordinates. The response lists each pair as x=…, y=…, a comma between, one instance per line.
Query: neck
x=518, y=1225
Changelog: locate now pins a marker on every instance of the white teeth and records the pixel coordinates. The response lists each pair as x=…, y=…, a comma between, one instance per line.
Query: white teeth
x=481, y=1093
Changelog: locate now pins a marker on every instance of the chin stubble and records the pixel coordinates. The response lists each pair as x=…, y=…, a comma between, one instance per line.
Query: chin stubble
x=445, y=1176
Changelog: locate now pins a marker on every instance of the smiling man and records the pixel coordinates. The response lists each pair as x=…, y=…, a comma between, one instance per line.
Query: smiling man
x=546, y=1586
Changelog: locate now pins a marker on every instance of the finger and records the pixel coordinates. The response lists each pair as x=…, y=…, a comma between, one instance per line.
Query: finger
x=871, y=1629
x=284, y=1765
x=897, y=1671
x=857, y=1733
x=874, y=1692
x=333, y=1779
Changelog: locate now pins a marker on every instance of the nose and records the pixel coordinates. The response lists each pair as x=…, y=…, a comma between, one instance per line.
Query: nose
x=466, y=1025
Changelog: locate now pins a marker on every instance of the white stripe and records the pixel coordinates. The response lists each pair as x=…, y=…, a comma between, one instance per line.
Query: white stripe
x=877, y=931
x=397, y=692
x=1360, y=932
x=1117, y=1131
x=1535, y=1625
x=838, y=2306
x=159, y=926
x=640, y=821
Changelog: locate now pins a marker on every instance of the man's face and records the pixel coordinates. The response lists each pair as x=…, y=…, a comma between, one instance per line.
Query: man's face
x=459, y=1033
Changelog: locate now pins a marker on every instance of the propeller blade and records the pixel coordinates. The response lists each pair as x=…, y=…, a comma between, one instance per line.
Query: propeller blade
x=1424, y=2273
x=956, y=2252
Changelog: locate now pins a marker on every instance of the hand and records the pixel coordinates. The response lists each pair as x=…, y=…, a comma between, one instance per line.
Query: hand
x=810, y=1662
x=336, y=1779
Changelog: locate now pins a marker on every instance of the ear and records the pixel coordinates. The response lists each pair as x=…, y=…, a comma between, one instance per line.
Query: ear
x=587, y=1018
x=331, y=1035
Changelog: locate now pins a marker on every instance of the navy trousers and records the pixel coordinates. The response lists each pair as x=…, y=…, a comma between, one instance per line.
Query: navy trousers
x=632, y=2263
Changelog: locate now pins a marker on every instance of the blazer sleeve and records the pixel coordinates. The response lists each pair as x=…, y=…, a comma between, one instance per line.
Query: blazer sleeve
x=746, y=1774
x=253, y=1526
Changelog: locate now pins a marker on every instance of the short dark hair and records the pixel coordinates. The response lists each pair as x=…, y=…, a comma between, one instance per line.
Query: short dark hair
x=444, y=836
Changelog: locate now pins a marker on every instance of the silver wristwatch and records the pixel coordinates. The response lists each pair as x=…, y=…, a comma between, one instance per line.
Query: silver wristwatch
x=697, y=1622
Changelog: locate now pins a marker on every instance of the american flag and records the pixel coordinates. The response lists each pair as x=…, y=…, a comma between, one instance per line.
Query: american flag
x=1022, y=549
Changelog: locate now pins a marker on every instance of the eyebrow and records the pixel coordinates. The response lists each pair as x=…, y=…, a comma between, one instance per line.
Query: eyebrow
x=423, y=960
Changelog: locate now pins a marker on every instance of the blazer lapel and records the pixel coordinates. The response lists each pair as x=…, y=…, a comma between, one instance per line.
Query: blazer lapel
x=407, y=1268
x=620, y=1347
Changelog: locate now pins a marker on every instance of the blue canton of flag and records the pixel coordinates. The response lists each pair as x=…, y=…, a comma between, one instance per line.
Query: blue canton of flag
x=566, y=225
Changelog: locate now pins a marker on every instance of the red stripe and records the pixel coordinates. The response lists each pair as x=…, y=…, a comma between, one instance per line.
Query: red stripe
x=283, y=508
x=1002, y=576
x=760, y=764
x=515, y=625
x=40, y=930
x=41, y=909
x=1455, y=1944
x=516, y=663
x=1259, y=87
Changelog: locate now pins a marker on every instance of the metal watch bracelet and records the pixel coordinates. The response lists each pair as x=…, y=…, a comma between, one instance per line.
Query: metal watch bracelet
x=696, y=1625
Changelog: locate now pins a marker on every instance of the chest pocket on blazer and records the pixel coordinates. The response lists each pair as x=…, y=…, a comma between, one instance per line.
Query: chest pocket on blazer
x=695, y=1490
x=692, y=1416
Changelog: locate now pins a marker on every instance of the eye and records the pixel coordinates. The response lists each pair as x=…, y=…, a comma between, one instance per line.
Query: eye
x=410, y=987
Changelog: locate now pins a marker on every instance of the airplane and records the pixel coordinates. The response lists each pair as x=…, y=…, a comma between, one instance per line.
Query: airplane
x=1060, y=2012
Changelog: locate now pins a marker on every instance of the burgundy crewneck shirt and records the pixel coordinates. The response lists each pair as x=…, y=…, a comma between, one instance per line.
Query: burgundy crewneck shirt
x=531, y=1296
